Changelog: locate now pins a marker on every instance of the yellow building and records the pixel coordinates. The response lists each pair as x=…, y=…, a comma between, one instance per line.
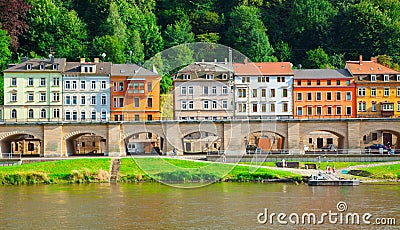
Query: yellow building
x=377, y=88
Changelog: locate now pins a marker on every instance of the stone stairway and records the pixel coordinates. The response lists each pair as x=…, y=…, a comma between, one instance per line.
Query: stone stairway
x=114, y=170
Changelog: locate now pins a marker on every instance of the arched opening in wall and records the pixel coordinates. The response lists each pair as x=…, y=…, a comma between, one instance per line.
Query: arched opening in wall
x=24, y=144
x=144, y=143
x=86, y=144
x=264, y=142
x=373, y=140
x=323, y=141
x=201, y=143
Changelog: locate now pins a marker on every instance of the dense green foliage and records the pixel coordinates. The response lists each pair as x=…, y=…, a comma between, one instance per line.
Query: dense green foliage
x=313, y=33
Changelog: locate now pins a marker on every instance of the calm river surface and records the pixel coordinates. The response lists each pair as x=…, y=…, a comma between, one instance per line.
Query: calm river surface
x=157, y=206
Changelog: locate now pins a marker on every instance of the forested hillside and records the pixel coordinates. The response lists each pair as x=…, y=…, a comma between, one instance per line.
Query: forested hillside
x=313, y=33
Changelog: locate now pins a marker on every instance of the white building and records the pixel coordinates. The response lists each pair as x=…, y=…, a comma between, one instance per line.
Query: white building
x=263, y=90
x=86, y=94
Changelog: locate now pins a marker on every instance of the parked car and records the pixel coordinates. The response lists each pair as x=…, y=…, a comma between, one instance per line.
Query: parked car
x=329, y=147
x=376, y=147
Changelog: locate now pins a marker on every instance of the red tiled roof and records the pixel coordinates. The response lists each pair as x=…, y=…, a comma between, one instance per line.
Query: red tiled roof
x=368, y=67
x=263, y=68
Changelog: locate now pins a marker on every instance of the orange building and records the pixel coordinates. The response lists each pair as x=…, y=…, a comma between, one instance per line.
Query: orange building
x=135, y=93
x=324, y=93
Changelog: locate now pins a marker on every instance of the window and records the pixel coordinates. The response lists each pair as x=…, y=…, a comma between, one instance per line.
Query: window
x=309, y=96
x=149, y=86
x=13, y=81
x=30, y=81
x=224, y=90
x=348, y=96
x=319, y=110
x=309, y=110
x=13, y=97
x=74, y=100
x=56, y=96
x=83, y=115
x=318, y=82
x=214, y=90
x=190, y=90
x=338, y=96
x=337, y=82
x=94, y=115
x=121, y=86
x=190, y=104
x=348, y=110
x=318, y=96
x=14, y=114
x=149, y=117
x=83, y=84
x=386, y=78
x=186, y=76
x=29, y=66
x=329, y=110
x=263, y=92
x=272, y=92
x=299, y=96
x=83, y=100
x=374, y=136
x=298, y=82
x=284, y=93
x=387, y=107
x=362, y=106
x=205, y=90
x=93, y=85
x=398, y=77
x=347, y=82
x=103, y=99
x=263, y=107
x=205, y=104
x=328, y=82
x=74, y=115
x=398, y=91
x=137, y=102
x=308, y=82
x=103, y=84
x=93, y=100
x=56, y=113
x=254, y=107
x=373, y=107
x=254, y=94
x=338, y=110
x=43, y=113
x=245, y=79
x=183, y=90
x=42, y=96
x=67, y=85
x=183, y=105
x=30, y=113
x=42, y=81
x=214, y=104
x=74, y=85
x=398, y=106
x=386, y=92
x=224, y=76
x=67, y=100
x=149, y=102
x=373, y=78
x=30, y=96
x=281, y=79
x=242, y=93
x=373, y=92
x=103, y=115
x=299, y=111
x=224, y=104
x=210, y=76
x=272, y=107
x=263, y=79
x=285, y=107
x=329, y=96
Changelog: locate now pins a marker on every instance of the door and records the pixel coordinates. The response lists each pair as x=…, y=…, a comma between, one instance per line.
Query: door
x=320, y=142
x=387, y=139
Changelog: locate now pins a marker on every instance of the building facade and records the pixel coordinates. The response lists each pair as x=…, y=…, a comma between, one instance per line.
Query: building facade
x=202, y=91
x=135, y=93
x=32, y=90
x=378, y=88
x=263, y=90
x=323, y=93
x=86, y=91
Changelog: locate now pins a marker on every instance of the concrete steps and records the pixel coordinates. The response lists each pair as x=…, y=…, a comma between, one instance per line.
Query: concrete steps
x=114, y=170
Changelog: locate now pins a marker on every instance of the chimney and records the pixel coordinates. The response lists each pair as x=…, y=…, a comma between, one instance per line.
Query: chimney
x=327, y=66
x=374, y=59
x=360, y=60
x=96, y=60
x=226, y=61
x=215, y=60
x=245, y=60
x=202, y=60
x=83, y=60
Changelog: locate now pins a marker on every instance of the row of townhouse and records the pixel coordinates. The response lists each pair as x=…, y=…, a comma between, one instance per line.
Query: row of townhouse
x=56, y=90
x=250, y=90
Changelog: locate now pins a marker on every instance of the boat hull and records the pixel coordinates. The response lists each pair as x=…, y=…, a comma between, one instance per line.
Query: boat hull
x=333, y=182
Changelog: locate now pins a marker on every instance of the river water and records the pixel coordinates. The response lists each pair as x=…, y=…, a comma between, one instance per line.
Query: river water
x=157, y=206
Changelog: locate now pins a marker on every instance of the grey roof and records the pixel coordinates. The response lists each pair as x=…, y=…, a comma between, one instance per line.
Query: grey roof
x=21, y=67
x=321, y=74
x=207, y=67
x=102, y=68
x=131, y=70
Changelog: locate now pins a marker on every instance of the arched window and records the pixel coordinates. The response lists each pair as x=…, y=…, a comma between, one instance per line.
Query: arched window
x=103, y=115
x=43, y=113
x=30, y=113
x=14, y=114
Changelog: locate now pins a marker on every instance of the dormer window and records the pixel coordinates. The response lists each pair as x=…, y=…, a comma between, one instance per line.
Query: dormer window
x=42, y=66
x=373, y=78
x=55, y=66
x=224, y=76
x=398, y=77
x=210, y=76
x=29, y=66
x=186, y=76
x=88, y=68
x=386, y=78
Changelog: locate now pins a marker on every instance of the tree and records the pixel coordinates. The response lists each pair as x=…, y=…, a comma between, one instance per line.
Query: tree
x=179, y=33
x=247, y=34
x=283, y=51
x=5, y=55
x=111, y=46
x=13, y=19
x=316, y=59
x=337, y=60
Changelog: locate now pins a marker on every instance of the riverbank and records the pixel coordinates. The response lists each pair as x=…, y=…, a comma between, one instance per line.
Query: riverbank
x=97, y=170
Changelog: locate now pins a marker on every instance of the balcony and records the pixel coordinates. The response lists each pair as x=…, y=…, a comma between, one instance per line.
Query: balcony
x=387, y=109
